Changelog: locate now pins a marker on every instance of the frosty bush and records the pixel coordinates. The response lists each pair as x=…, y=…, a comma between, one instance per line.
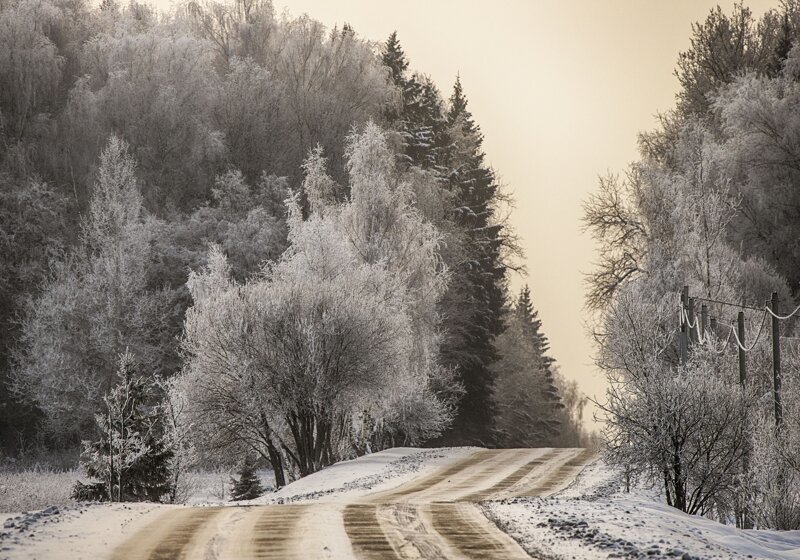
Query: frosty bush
x=685, y=426
x=344, y=325
x=774, y=476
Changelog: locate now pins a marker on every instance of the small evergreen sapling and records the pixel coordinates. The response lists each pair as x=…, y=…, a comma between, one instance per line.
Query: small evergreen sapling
x=248, y=486
x=130, y=458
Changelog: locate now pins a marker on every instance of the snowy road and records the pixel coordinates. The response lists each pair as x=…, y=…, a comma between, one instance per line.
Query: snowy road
x=432, y=516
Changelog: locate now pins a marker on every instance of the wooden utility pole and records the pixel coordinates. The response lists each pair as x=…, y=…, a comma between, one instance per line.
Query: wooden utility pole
x=742, y=362
x=743, y=520
x=691, y=319
x=703, y=320
x=684, y=339
x=776, y=360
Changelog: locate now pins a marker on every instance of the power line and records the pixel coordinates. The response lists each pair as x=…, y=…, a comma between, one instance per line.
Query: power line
x=779, y=317
x=765, y=308
x=755, y=341
x=739, y=305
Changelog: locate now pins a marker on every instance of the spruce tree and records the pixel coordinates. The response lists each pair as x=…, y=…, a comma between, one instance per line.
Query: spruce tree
x=420, y=115
x=532, y=328
x=395, y=59
x=479, y=277
x=130, y=456
x=448, y=143
x=248, y=486
x=533, y=325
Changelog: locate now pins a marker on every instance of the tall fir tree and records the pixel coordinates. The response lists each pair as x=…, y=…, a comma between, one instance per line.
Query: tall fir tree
x=480, y=276
x=532, y=327
x=395, y=59
x=530, y=411
x=419, y=115
x=447, y=142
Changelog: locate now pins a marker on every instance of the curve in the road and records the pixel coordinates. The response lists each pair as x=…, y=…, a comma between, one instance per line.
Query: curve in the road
x=560, y=476
x=512, y=479
x=430, y=517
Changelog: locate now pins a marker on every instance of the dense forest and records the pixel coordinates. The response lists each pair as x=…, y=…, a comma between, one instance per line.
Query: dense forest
x=240, y=232
x=712, y=204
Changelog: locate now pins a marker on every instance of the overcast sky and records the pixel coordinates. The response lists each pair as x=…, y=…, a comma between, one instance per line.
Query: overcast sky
x=560, y=88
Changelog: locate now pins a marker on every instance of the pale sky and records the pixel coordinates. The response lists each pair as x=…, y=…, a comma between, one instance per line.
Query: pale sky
x=560, y=89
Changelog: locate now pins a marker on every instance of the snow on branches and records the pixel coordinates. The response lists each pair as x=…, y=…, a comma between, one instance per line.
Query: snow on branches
x=340, y=334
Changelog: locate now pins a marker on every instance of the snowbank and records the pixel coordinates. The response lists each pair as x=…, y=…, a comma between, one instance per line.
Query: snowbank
x=370, y=473
x=594, y=519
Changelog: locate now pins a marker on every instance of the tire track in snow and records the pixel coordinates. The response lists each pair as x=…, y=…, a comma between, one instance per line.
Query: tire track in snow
x=511, y=479
x=561, y=476
x=464, y=527
x=168, y=537
x=272, y=535
x=366, y=534
x=431, y=517
x=421, y=485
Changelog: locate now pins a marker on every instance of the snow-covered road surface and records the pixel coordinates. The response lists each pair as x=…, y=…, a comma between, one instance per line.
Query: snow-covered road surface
x=399, y=504
x=431, y=516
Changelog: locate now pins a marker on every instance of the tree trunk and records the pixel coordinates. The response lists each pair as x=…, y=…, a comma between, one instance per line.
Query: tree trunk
x=679, y=484
x=276, y=461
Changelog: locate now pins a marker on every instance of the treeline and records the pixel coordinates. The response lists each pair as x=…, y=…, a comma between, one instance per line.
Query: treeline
x=713, y=204
x=131, y=142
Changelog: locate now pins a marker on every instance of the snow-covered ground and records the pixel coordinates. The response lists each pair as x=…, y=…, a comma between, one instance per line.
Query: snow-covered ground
x=93, y=531
x=88, y=531
x=594, y=518
x=370, y=473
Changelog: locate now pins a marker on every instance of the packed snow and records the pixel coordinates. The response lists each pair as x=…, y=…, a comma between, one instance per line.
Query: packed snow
x=370, y=473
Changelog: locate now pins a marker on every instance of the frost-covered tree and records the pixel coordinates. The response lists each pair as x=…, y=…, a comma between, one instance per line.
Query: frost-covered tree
x=443, y=141
x=667, y=226
x=130, y=456
x=473, y=308
x=382, y=224
x=30, y=66
x=157, y=88
x=417, y=110
x=760, y=130
x=685, y=427
x=249, y=113
x=342, y=329
x=528, y=393
x=95, y=306
x=247, y=486
x=241, y=29
x=724, y=46
x=178, y=438
x=34, y=225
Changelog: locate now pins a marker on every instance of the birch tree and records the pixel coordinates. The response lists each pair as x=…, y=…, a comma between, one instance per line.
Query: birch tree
x=95, y=306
